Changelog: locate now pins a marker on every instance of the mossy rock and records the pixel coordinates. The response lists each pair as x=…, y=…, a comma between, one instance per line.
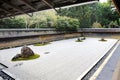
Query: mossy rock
x=35, y=56
x=83, y=38
x=41, y=44
x=103, y=40
x=79, y=40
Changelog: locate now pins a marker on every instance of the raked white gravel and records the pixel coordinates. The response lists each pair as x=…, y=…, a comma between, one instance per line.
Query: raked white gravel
x=66, y=59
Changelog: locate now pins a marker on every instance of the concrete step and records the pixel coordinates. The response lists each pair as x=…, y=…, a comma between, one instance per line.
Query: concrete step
x=5, y=76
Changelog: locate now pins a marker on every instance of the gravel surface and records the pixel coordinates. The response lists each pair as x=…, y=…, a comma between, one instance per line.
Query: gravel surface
x=67, y=59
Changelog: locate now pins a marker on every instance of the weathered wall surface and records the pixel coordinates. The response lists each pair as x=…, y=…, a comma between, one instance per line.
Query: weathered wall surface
x=8, y=33
x=13, y=42
x=18, y=37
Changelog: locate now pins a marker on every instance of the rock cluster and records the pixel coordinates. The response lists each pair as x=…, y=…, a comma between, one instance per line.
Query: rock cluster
x=25, y=53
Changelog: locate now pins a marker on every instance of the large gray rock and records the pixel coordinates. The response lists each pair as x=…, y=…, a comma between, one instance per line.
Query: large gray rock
x=26, y=52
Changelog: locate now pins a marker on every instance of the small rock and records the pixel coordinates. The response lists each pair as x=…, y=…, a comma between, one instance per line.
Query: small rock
x=16, y=56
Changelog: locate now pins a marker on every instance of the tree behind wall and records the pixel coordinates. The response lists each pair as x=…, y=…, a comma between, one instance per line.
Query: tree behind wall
x=88, y=14
x=82, y=13
x=12, y=23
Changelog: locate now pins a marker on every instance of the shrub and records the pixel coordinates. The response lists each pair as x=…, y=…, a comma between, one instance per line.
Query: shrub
x=97, y=25
x=113, y=24
x=103, y=40
x=12, y=23
x=67, y=24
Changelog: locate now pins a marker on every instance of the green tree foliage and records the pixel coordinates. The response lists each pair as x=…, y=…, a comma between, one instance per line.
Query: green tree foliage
x=82, y=13
x=88, y=14
x=83, y=16
x=113, y=24
x=47, y=19
x=67, y=24
x=12, y=23
x=96, y=25
x=41, y=20
x=105, y=12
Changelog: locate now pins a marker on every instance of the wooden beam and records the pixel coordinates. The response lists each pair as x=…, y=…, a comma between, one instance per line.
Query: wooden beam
x=2, y=14
x=5, y=10
x=49, y=3
x=28, y=4
x=14, y=6
x=116, y=3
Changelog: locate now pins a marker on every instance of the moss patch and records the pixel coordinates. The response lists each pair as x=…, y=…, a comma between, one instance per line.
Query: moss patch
x=79, y=41
x=41, y=44
x=35, y=56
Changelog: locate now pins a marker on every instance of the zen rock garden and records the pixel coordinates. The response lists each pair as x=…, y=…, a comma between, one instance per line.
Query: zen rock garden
x=66, y=57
